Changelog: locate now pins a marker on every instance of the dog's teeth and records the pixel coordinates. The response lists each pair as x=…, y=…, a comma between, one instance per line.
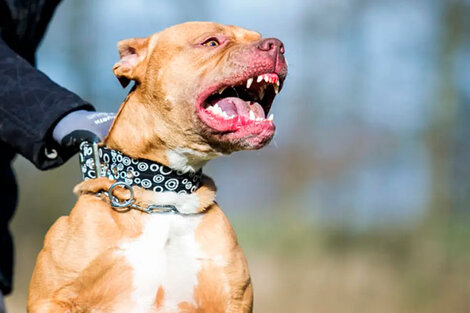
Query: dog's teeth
x=249, y=82
x=266, y=78
x=277, y=82
x=260, y=78
x=222, y=90
x=271, y=117
x=276, y=88
x=252, y=115
x=216, y=109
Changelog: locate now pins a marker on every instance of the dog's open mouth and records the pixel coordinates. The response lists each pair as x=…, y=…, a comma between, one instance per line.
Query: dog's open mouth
x=243, y=105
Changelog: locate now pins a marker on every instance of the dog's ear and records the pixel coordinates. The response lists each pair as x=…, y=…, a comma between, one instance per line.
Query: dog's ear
x=132, y=52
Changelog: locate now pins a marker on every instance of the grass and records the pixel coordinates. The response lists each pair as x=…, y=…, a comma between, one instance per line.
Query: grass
x=300, y=267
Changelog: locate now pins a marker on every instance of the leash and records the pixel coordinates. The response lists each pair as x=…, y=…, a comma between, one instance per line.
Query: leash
x=97, y=161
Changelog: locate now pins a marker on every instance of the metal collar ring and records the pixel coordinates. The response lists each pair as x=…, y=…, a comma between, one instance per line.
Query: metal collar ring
x=115, y=201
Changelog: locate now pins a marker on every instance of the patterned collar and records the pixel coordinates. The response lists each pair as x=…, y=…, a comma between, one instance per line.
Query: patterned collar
x=142, y=173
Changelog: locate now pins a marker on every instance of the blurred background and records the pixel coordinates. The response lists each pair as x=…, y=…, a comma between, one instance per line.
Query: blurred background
x=361, y=202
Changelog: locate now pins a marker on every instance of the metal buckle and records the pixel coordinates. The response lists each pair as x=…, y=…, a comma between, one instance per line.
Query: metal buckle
x=163, y=208
x=96, y=159
x=115, y=203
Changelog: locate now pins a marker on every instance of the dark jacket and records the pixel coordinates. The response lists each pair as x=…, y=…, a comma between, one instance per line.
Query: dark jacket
x=30, y=106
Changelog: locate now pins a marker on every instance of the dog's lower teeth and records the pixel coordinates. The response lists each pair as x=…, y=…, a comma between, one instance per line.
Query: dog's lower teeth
x=216, y=110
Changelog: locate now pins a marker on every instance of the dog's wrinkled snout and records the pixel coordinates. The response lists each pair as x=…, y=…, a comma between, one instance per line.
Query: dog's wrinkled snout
x=271, y=45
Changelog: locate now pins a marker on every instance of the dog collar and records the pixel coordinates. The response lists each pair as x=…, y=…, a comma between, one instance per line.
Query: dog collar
x=97, y=161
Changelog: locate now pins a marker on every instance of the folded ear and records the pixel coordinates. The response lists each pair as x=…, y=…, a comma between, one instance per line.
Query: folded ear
x=131, y=66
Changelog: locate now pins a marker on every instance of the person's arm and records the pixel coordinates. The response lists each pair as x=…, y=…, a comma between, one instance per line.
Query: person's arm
x=30, y=107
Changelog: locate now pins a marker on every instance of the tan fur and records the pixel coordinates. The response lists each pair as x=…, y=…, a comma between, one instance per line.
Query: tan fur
x=159, y=298
x=145, y=125
x=218, y=239
x=78, y=269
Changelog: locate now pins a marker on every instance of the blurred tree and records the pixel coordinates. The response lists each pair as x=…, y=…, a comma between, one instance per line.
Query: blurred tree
x=441, y=140
x=460, y=169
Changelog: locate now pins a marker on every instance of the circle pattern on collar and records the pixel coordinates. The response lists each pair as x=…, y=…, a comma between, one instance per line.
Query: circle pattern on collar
x=143, y=173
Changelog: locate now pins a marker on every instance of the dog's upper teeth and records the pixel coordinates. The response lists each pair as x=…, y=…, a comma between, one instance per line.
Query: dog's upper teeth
x=260, y=78
x=266, y=78
x=277, y=82
x=276, y=88
x=222, y=89
x=249, y=82
x=252, y=115
x=271, y=117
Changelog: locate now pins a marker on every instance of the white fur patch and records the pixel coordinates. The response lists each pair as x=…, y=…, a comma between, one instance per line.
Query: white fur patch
x=166, y=254
x=185, y=203
x=184, y=159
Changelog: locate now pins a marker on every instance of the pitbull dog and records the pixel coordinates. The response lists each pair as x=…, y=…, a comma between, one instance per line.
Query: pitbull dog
x=201, y=90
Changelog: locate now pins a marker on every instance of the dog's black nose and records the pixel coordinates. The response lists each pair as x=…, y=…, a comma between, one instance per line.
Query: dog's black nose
x=271, y=45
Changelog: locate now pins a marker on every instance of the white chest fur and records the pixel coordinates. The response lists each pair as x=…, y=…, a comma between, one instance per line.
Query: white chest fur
x=165, y=255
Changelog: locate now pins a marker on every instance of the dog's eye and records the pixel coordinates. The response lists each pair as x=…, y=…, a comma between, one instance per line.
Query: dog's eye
x=211, y=42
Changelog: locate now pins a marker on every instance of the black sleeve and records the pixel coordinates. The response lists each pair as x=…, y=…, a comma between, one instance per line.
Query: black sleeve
x=30, y=106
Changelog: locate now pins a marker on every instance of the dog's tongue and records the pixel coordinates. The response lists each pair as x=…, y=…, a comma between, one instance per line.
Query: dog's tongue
x=236, y=106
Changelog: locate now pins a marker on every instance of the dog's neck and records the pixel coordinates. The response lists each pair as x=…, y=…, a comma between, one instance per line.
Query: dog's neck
x=139, y=131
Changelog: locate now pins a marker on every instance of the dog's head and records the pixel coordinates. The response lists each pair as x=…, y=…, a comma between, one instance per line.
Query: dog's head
x=211, y=85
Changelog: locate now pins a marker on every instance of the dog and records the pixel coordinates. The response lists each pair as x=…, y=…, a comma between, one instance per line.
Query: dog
x=202, y=90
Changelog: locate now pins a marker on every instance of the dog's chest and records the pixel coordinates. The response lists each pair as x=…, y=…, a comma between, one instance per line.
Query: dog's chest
x=165, y=256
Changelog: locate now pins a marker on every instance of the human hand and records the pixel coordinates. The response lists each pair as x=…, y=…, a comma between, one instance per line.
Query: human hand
x=79, y=126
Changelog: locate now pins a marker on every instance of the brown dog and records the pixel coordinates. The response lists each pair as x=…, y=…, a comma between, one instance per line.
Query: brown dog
x=202, y=90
